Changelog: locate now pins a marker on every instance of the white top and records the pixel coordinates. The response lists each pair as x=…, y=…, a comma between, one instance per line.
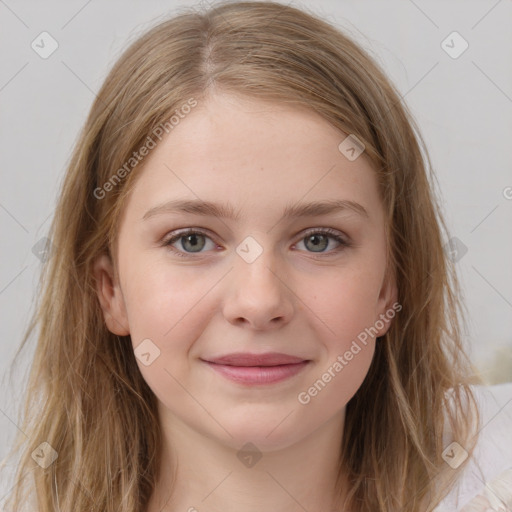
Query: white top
x=485, y=485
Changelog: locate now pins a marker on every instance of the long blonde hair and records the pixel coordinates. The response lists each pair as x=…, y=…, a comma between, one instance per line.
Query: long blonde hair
x=85, y=387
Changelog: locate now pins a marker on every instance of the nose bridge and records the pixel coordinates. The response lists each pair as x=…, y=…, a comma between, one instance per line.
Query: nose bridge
x=260, y=295
x=256, y=259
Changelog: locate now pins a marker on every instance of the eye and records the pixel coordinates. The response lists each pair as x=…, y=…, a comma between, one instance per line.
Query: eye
x=318, y=240
x=192, y=241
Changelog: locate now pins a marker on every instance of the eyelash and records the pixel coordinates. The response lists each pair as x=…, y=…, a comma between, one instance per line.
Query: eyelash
x=325, y=231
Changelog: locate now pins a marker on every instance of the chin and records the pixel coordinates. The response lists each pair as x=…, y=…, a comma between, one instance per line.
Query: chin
x=266, y=434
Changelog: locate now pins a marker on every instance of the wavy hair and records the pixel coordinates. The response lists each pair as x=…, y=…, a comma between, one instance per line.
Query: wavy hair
x=85, y=388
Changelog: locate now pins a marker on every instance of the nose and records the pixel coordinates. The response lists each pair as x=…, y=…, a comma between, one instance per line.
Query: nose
x=261, y=294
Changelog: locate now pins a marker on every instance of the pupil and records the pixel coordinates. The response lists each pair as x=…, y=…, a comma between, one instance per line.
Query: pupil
x=317, y=240
x=192, y=240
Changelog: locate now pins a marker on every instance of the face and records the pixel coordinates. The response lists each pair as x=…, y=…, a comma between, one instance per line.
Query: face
x=255, y=282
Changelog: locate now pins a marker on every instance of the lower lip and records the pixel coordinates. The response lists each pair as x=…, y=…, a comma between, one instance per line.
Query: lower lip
x=258, y=374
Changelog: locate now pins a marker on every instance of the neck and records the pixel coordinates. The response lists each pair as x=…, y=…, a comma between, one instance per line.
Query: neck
x=209, y=476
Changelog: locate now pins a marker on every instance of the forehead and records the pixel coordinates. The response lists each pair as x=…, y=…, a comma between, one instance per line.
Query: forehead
x=248, y=152
x=233, y=129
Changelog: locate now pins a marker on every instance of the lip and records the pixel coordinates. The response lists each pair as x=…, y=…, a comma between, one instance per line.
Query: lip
x=247, y=359
x=254, y=369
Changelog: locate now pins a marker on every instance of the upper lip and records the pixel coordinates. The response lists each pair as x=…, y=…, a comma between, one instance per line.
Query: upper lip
x=246, y=359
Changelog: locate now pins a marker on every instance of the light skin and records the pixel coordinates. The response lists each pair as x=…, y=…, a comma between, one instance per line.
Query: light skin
x=297, y=297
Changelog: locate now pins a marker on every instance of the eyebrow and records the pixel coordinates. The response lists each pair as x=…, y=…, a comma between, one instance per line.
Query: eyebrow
x=226, y=211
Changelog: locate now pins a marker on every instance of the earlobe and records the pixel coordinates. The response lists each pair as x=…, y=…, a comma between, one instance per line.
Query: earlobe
x=110, y=296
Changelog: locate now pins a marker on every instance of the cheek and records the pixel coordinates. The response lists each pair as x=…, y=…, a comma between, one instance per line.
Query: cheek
x=344, y=302
x=344, y=310
x=166, y=306
x=337, y=381
x=167, y=314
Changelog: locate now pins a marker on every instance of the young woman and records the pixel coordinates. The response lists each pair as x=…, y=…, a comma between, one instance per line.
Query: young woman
x=249, y=306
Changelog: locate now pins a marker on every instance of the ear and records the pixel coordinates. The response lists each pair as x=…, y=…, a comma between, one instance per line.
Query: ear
x=387, y=304
x=110, y=296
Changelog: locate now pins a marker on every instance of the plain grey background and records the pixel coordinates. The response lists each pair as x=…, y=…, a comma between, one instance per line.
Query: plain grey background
x=462, y=103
